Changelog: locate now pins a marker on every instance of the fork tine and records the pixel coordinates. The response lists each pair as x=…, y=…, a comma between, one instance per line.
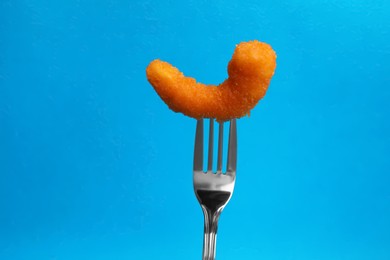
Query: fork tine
x=232, y=148
x=220, y=147
x=211, y=146
x=198, y=152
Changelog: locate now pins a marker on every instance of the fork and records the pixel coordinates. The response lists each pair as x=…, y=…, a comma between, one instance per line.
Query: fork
x=213, y=189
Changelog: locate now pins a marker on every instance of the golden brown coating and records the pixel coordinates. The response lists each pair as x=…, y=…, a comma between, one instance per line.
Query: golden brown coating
x=250, y=71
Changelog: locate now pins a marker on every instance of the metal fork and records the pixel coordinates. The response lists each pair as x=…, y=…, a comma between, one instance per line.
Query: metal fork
x=213, y=190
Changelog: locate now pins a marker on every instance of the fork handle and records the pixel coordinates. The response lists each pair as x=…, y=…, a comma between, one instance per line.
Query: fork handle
x=210, y=232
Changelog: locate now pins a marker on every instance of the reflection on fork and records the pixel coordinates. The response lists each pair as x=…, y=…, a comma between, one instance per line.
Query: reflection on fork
x=213, y=189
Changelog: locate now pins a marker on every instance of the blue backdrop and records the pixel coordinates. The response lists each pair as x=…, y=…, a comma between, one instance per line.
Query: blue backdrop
x=93, y=165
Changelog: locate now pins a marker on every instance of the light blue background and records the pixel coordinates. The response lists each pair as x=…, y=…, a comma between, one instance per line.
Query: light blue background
x=93, y=165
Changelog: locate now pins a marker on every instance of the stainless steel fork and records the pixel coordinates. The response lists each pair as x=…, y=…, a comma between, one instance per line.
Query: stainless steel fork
x=213, y=189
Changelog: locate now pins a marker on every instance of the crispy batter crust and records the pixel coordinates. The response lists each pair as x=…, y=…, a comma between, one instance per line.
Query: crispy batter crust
x=250, y=71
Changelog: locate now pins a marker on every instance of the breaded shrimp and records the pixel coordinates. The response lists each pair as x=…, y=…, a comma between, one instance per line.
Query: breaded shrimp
x=250, y=71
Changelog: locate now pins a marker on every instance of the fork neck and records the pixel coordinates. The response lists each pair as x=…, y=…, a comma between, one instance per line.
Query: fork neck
x=211, y=217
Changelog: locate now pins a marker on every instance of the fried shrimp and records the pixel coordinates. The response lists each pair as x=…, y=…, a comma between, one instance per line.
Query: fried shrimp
x=250, y=71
